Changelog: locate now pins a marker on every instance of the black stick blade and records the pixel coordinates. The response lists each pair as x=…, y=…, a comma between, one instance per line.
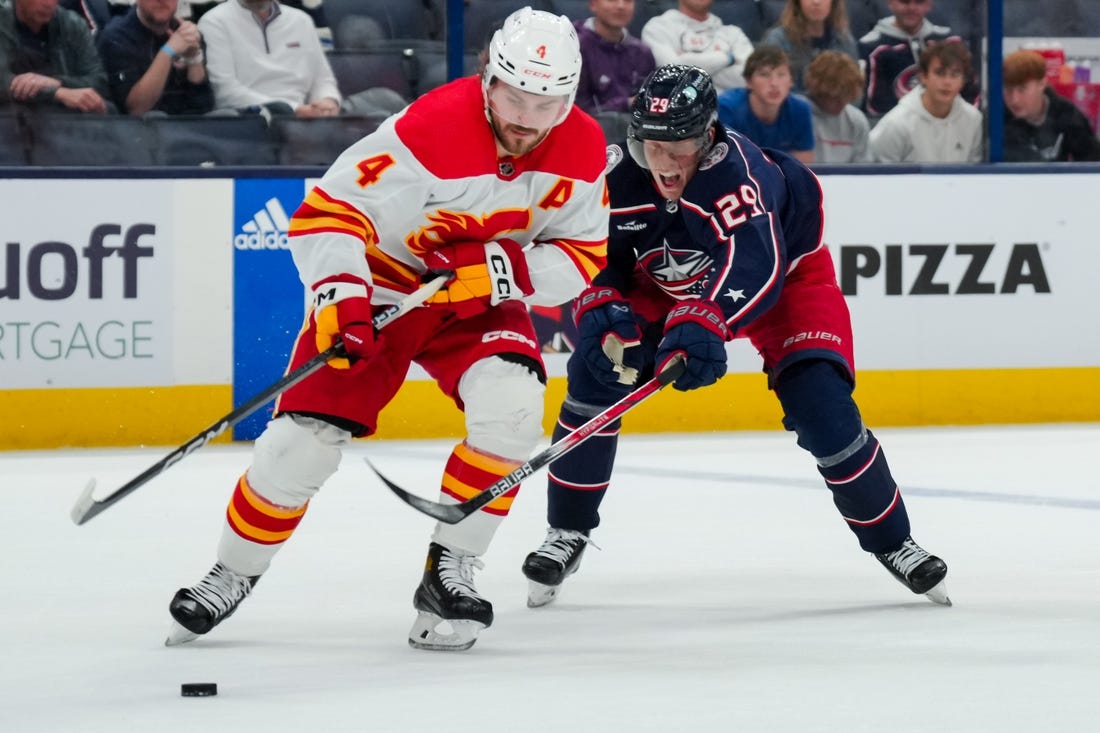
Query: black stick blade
x=446, y=513
x=85, y=507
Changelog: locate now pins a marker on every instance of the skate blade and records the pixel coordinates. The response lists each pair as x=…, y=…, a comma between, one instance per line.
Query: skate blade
x=178, y=635
x=539, y=595
x=437, y=634
x=938, y=594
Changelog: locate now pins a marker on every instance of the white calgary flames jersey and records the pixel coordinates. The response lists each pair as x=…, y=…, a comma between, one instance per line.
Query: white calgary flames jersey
x=431, y=176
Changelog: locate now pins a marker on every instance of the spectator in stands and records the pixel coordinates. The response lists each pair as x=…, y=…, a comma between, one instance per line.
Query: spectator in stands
x=1041, y=126
x=260, y=52
x=808, y=27
x=155, y=61
x=765, y=111
x=833, y=82
x=932, y=123
x=315, y=9
x=614, y=62
x=890, y=55
x=48, y=59
x=691, y=34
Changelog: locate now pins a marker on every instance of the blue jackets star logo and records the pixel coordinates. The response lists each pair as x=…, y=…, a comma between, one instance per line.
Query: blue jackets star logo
x=677, y=271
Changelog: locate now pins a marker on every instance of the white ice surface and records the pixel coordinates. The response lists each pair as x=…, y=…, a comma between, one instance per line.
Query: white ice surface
x=728, y=596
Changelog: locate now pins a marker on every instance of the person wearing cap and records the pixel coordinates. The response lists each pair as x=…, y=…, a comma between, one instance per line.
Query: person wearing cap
x=494, y=183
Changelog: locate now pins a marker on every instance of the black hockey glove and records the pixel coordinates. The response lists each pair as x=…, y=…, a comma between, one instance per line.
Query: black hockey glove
x=608, y=336
x=697, y=329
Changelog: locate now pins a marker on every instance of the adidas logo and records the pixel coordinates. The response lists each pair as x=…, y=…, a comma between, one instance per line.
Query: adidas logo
x=267, y=230
x=631, y=226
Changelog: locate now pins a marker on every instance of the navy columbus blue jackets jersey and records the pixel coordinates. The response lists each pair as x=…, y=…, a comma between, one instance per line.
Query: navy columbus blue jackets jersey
x=744, y=219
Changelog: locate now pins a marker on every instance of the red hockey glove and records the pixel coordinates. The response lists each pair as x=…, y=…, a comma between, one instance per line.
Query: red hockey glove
x=607, y=334
x=483, y=275
x=341, y=310
x=697, y=329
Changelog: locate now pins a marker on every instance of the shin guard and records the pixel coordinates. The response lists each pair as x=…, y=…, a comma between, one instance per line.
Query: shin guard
x=255, y=529
x=468, y=472
x=866, y=494
x=817, y=401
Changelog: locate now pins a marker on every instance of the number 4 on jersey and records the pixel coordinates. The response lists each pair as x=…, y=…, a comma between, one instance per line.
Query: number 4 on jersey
x=373, y=167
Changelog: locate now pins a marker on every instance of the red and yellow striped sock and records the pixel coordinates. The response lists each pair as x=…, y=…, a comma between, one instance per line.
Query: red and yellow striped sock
x=257, y=520
x=469, y=471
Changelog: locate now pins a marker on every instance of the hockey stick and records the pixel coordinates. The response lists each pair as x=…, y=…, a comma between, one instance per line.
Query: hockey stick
x=454, y=513
x=86, y=507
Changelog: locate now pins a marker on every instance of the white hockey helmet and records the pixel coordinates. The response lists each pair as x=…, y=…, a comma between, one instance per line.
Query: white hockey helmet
x=536, y=52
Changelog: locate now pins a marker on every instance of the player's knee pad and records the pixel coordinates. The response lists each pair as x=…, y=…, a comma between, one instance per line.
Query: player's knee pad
x=504, y=404
x=293, y=457
x=817, y=404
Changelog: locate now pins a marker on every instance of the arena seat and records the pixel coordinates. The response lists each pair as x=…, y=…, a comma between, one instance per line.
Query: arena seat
x=396, y=18
x=753, y=17
x=357, y=71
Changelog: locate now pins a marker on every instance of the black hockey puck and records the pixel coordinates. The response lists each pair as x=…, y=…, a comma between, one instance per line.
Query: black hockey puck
x=199, y=689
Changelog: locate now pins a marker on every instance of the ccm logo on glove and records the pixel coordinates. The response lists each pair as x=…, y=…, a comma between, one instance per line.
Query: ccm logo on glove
x=342, y=310
x=483, y=275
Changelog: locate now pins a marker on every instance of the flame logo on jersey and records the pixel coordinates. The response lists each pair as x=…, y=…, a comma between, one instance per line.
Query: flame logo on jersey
x=446, y=226
x=680, y=272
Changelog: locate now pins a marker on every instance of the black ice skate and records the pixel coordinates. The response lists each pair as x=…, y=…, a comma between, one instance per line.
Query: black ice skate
x=547, y=567
x=450, y=613
x=203, y=606
x=918, y=571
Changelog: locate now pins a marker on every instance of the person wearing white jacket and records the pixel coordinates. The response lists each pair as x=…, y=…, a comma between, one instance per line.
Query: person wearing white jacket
x=932, y=123
x=259, y=52
x=691, y=34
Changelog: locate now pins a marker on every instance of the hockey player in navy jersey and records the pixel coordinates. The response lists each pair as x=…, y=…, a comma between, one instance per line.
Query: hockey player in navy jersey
x=681, y=194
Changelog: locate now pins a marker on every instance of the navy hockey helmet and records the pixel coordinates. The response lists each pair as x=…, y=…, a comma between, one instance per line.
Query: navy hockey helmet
x=675, y=102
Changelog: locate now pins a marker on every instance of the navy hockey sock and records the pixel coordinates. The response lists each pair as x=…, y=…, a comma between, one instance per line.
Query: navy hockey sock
x=578, y=480
x=867, y=496
x=817, y=401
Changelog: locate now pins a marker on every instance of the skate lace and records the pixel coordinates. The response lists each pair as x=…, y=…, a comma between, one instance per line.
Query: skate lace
x=456, y=573
x=560, y=544
x=909, y=556
x=221, y=590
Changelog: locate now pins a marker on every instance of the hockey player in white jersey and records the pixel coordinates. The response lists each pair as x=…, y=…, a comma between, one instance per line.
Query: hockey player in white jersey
x=497, y=181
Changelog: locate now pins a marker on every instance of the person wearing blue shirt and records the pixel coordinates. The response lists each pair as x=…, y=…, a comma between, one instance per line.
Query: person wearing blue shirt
x=765, y=111
x=155, y=61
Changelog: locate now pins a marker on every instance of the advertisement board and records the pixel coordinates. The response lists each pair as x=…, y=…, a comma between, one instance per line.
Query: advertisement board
x=967, y=271
x=268, y=299
x=86, y=290
x=147, y=308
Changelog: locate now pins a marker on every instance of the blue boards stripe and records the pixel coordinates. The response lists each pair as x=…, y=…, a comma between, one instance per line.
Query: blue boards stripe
x=268, y=298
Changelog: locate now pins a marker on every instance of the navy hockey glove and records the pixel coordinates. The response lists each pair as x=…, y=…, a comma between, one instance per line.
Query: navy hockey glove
x=697, y=329
x=608, y=334
x=482, y=275
x=342, y=311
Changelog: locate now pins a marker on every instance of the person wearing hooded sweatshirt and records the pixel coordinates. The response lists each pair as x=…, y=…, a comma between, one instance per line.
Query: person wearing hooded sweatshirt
x=890, y=51
x=691, y=34
x=932, y=123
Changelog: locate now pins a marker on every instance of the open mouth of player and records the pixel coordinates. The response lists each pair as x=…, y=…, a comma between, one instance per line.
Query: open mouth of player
x=669, y=182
